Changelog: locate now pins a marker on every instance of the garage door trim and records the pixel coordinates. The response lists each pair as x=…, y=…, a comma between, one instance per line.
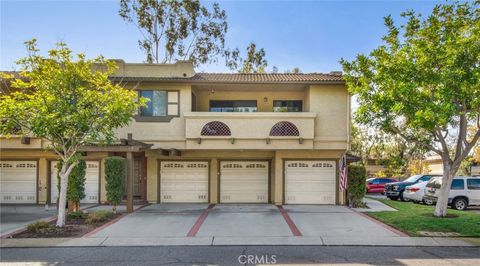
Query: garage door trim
x=49, y=180
x=37, y=179
x=336, y=161
x=159, y=175
x=219, y=176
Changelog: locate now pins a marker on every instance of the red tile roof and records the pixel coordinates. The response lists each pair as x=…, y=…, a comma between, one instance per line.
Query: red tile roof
x=299, y=78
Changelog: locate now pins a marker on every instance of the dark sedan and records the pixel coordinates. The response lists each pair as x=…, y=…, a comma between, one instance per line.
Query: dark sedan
x=394, y=191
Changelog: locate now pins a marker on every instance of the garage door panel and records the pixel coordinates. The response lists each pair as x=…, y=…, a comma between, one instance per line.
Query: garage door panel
x=244, y=182
x=18, y=181
x=184, y=182
x=92, y=179
x=310, y=182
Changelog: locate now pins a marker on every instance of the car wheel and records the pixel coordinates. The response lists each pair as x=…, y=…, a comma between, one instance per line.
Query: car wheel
x=459, y=204
x=393, y=198
x=428, y=202
x=402, y=198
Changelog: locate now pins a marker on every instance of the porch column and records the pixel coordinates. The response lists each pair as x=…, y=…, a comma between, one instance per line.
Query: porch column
x=129, y=182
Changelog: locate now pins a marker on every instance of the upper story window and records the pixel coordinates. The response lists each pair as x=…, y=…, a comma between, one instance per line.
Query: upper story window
x=161, y=105
x=287, y=106
x=233, y=106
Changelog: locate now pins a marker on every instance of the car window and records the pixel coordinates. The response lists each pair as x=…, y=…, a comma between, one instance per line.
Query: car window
x=425, y=178
x=412, y=178
x=473, y=184
x=375, y=181
x=457, y=184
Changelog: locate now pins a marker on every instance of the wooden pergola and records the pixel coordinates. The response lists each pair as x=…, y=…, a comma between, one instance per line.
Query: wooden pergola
x=127, y=146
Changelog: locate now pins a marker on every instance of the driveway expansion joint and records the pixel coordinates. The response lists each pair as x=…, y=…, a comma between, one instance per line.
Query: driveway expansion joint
x=289, y=221
x=196, y=226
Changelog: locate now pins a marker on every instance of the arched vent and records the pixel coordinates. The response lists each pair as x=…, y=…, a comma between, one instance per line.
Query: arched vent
x=216, y=128
x=284, y=128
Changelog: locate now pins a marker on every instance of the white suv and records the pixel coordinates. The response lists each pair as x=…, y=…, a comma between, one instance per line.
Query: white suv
x=464, y=192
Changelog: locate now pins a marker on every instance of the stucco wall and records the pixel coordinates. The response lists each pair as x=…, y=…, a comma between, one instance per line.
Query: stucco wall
x=171, y=134
x=332, y=125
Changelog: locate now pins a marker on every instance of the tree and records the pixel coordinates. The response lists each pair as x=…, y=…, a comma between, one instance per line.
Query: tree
x=255, y=61
x=76, y=184
x=114, y=176
x=423, y=84
x=61, y=99
x=177, y=30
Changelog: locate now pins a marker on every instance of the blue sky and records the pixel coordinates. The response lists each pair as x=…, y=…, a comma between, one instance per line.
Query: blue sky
x=311, y=35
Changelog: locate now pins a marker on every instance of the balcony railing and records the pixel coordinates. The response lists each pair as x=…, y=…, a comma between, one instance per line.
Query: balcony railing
x=259, y=130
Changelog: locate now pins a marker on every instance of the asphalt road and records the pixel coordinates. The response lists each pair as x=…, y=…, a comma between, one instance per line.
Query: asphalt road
x=237, y=255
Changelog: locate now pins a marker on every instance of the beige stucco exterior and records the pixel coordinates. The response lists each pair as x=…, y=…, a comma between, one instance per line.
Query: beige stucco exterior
x=324, y=129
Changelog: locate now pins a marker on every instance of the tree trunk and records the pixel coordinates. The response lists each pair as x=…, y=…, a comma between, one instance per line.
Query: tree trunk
x=114, y=209
x=62, y=197
x=442, y=200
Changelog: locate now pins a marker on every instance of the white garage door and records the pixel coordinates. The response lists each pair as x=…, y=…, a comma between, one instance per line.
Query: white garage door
x=184, y=182
x=310, y=182
x=91, y=182
x=244, y=182
x=18, y=181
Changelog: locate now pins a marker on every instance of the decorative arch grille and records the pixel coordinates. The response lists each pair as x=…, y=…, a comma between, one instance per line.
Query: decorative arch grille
x=284, y=128
x=216, y=128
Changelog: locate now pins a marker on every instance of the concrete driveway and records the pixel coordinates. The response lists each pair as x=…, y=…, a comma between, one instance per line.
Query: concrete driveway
x=17, y=216
x=247, y=221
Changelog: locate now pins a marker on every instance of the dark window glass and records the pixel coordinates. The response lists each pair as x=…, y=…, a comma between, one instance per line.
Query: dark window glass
x=157, y=104
x=425, y=178
x=457, y=184
x=233, y=106
x=287, y=106
x=473, y=184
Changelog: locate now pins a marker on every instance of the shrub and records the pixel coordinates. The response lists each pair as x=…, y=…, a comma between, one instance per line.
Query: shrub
x=76, y=183
x=356, y=185
x=114, y=178
x=98, y=217
x=40, y=227
x=76, y=215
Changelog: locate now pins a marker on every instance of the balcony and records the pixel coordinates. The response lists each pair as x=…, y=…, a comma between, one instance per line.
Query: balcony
x=258, y=130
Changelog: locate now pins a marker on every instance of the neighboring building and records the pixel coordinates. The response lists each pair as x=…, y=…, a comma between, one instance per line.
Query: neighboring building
x=435, y=164
x=209, y=138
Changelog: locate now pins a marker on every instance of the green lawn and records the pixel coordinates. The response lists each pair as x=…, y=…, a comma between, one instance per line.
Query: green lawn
x=411, y=218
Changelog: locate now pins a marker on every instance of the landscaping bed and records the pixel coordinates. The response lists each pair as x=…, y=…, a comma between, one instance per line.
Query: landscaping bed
x=77, y=224
x=418, y=220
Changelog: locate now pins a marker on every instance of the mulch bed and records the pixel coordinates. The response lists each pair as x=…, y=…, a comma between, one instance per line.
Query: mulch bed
x=74, y=227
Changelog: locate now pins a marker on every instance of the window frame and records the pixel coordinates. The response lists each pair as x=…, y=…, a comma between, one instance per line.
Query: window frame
x=301, y=106
x=167, y=118
x=231, y=101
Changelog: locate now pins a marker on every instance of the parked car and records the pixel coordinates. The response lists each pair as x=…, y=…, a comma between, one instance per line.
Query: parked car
x=416, y=192
x=394, y=191
x=464, y=191
x=377, y=185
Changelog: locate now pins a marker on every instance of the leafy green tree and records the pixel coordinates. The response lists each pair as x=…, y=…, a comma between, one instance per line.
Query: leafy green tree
x=177, y=30
x=62, y=99
x=114, y=176
x=254, y=62
x=76, y=183
x=423, y=84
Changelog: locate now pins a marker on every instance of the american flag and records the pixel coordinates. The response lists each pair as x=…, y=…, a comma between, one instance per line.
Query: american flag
x=343, y=174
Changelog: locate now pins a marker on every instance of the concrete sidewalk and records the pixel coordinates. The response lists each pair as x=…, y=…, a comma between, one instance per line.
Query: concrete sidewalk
x=374, y=206
x=229, y=241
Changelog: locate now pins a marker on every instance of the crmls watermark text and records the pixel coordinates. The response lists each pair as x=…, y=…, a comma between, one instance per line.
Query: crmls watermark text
x=257, y=259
